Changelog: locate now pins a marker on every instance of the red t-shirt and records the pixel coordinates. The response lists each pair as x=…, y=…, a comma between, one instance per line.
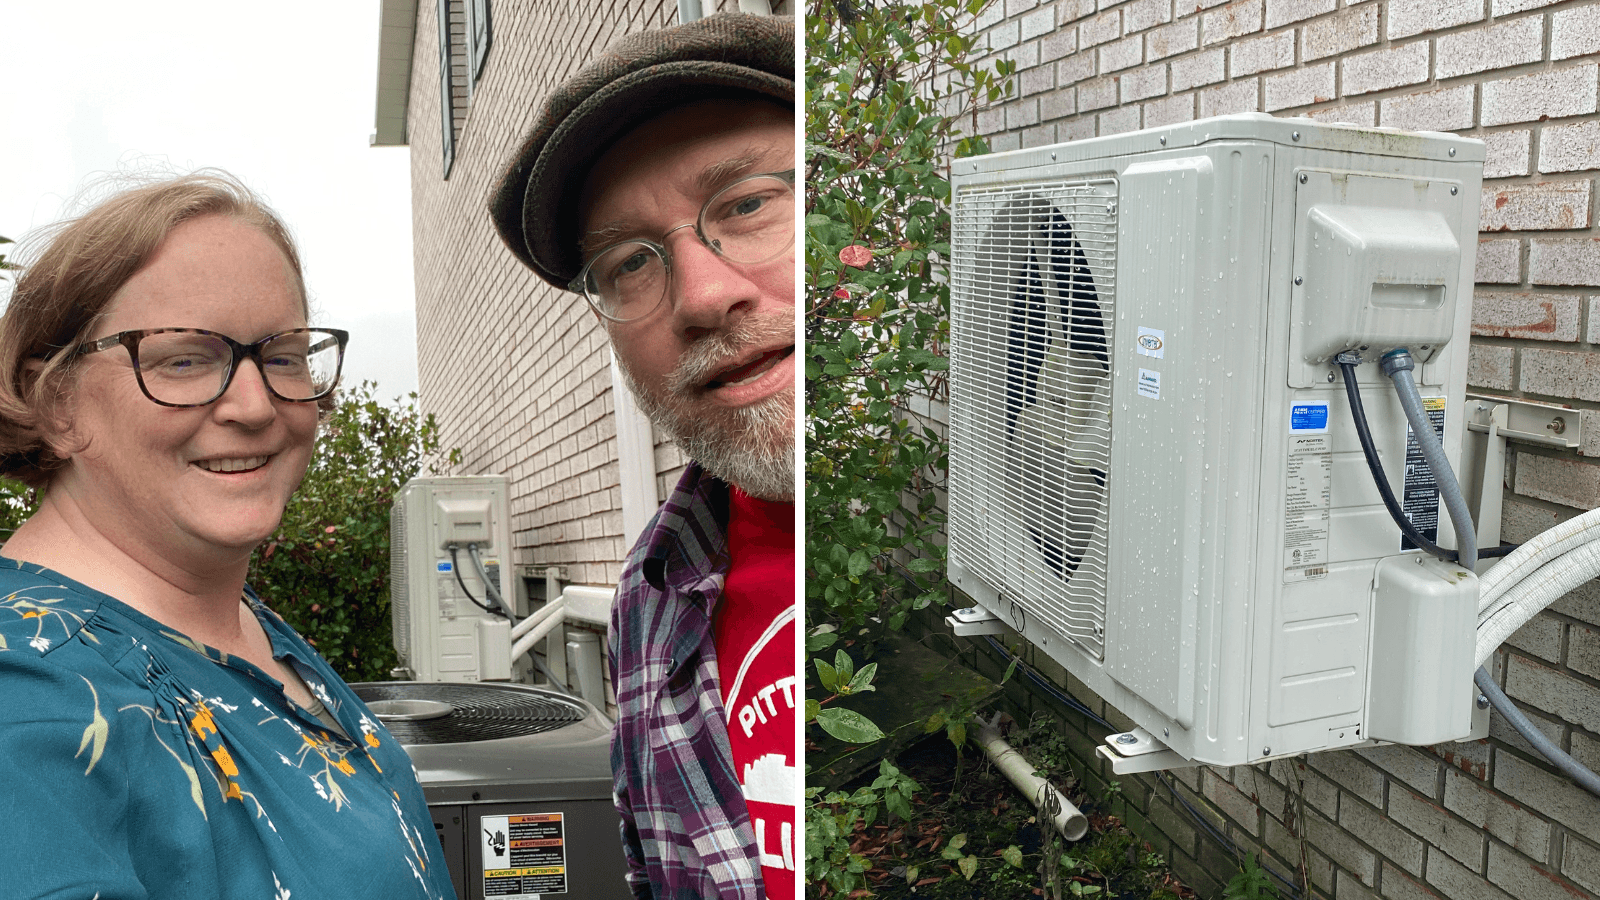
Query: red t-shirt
x=754, y=630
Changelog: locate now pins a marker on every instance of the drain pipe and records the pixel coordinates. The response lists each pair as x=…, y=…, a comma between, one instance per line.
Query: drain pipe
x=1051, y=802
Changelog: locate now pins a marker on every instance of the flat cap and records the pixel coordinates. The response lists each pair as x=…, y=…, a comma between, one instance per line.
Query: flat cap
x=730, y=55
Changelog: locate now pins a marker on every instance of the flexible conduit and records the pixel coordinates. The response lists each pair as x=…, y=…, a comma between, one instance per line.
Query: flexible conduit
x=1397, y=366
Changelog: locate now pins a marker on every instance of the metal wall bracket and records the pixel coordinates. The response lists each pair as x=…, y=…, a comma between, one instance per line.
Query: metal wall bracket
x=1544, y=424
x=1138, y=750
x=973, y=621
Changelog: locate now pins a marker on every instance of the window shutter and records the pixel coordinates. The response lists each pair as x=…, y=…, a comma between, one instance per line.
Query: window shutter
x=477, y=35
x=446, y=95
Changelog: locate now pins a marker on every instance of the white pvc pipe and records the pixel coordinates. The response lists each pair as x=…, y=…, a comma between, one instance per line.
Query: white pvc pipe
x=555, y=614
x=537, y=618
x=1068, y=820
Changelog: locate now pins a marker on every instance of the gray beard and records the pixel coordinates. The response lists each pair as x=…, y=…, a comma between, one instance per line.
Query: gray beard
x=751, y=447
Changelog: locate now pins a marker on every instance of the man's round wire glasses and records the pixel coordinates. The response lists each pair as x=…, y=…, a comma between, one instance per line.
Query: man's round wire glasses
x=747, y=222
x=185, y=367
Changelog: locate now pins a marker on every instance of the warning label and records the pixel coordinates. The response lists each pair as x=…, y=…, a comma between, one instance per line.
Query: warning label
x=1307, y=494
x=524, y=856
x=1420, y=498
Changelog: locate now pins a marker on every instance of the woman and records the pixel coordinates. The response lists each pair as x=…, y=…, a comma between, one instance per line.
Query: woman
x=166, y=735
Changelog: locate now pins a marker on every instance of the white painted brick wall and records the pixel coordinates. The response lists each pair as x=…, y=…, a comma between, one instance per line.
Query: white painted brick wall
x=1275, y=51
x=1383, y=69
x=1506, y=153
x=1352, y=29
x=1575, y=32
x=1475, y=821
x=1545, y=206
x=1528, y=98
x=1179, y=37
x=1413, y=17
x=1235, y=19
x=1570, y=148
x=1302, y=87
x=1498, y=47
x=1288, y=12
x=1499, y=262
x=1446, y=109
x=1198, y=70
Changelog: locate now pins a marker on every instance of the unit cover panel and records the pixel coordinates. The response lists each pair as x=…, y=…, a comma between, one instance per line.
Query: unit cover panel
x=1033, y=292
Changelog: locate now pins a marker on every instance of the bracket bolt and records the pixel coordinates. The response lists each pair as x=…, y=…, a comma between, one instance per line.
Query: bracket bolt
x=1483, y=702
x=1557, y=425
x=1126, y=738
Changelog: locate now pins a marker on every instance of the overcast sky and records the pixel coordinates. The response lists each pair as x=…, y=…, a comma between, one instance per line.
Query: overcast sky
x=281, y=95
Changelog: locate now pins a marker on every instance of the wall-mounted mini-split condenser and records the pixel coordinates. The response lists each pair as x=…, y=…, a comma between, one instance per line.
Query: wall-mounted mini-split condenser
x=1154, y=476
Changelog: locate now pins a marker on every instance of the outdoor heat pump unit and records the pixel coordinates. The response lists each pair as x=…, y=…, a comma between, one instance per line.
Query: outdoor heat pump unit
x=1154, y=476
x=448, y=536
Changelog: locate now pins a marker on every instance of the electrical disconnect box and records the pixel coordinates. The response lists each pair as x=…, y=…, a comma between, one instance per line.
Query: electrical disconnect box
x=448, y=536
x=1154, y=476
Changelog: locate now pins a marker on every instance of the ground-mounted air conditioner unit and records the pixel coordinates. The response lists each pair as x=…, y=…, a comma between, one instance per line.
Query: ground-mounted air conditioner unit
x=448, y=537
x=519, y=783
x=1154, y=476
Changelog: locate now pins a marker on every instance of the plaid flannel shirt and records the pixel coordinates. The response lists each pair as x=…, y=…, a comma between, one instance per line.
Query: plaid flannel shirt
x=685, y=828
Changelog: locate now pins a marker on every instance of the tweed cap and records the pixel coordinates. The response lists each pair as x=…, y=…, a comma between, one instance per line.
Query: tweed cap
x=730, y=55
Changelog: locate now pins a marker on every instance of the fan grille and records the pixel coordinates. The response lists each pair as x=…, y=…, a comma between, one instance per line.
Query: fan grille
x=481, y=712
x=1033, y=287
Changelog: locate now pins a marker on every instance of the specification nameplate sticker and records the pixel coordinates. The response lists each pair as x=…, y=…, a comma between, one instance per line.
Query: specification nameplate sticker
x=1306, y=500
x=524, y=857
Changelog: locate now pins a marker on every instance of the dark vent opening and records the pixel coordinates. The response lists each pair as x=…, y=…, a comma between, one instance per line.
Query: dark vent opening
x=479, y=712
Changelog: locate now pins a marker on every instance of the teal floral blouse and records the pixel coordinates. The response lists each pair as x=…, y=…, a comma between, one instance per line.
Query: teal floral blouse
x=146, y=765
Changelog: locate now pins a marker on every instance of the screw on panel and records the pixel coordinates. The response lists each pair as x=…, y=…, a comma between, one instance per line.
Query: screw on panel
x=1483, y=702
x=1166, y=732
x=1299, y=280
x=1330, y=378
x=1452, y=151
x=1127, y=739
x=1163, y=142
x=1052, y=156
x=1295, y=135
x=1302, y=178
x=1266, y=751
x=1454, y=191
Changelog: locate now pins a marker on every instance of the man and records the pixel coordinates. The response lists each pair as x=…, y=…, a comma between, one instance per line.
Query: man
x=659, y=183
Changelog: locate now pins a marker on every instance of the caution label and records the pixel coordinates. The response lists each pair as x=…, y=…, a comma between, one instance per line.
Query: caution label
x=1420, y=500
x=524, y=856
